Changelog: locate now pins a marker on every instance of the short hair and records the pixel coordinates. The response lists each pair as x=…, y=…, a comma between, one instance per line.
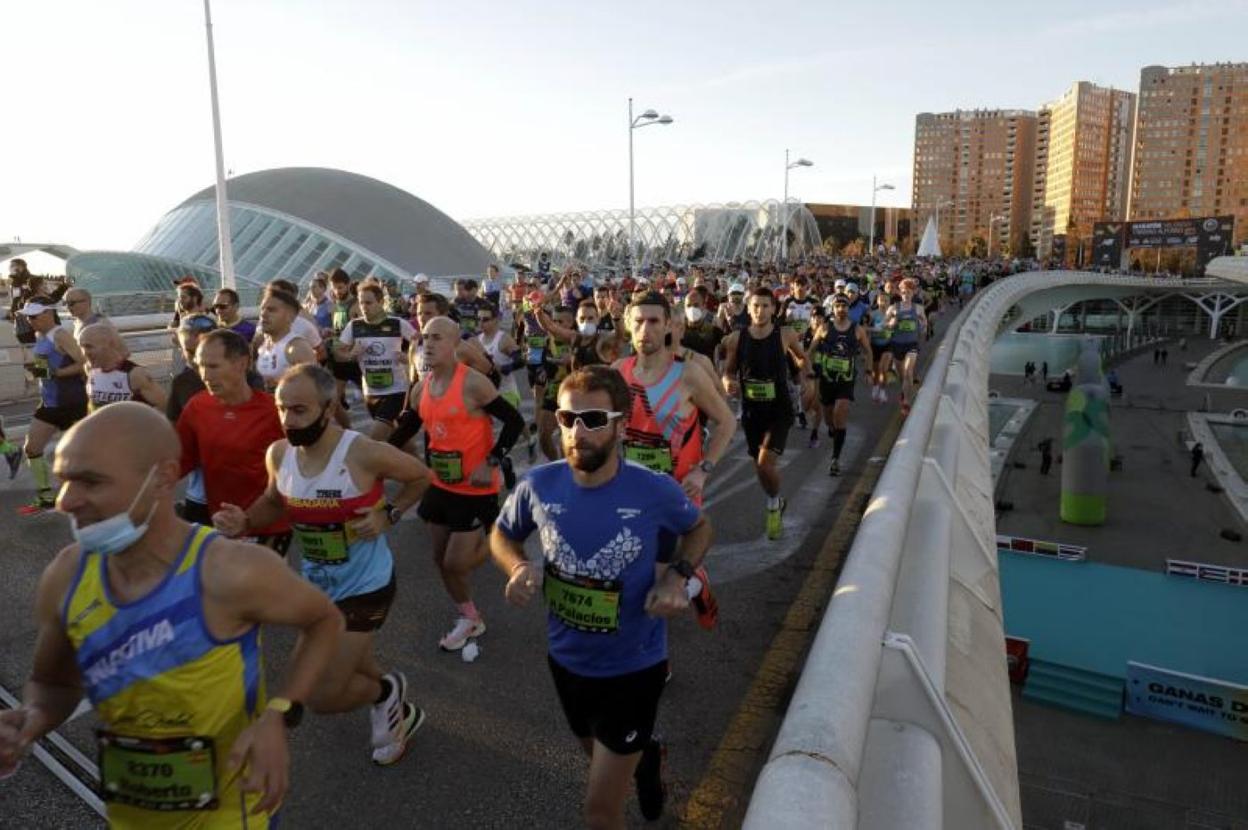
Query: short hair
x=320, y=280
x=443, y=305
x=18, y=261
x=587, y=303
x=198, y=322
x=490, y=307
x=284, y=285
x=193, y=290
x=763, y=291
x=282, y=296
x=599, y=379
x=564, y=309
x=230, y=294
x=654, y=298
x=702, y=291
x=468, y=284
x=373, y=288
x=339, y=276
x=322, y=379
x=232, y=343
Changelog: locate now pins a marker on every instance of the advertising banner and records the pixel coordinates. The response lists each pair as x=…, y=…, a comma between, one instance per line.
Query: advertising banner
x=1197, y=702
x=1209, y=235
x=1058, y=251
x=1107, y=245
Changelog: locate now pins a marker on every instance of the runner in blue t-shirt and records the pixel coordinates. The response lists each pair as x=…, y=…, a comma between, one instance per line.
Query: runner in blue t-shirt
x=607, y=592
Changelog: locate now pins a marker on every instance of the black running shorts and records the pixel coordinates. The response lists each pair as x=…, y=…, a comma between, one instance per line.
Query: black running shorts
x=831, y=391
x=878, y=350
x=765, y=429
x=618, y=712
x=61, y=417
x=900, y=350
x=458, y=512
x=385, y=408
x=367, y=612
x=348, y=370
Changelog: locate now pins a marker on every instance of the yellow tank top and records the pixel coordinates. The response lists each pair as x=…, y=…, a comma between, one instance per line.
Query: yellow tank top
x=171, y=697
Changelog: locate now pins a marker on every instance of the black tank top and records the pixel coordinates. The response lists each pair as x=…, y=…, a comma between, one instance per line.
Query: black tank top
x=835, y=355
x=585, y=352
x=762, y=371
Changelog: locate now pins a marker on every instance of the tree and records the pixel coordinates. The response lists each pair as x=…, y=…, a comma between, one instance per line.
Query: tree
x=976, y=246
x=854, y=248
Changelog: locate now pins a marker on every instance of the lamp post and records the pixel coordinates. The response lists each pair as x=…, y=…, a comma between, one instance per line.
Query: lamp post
x=939, y=204
x=784, y=231
x=644, y=120
x=224, y=246
x=875, y=188
x=992, y=220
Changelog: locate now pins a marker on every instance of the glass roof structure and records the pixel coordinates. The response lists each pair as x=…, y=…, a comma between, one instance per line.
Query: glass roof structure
x=677, y=234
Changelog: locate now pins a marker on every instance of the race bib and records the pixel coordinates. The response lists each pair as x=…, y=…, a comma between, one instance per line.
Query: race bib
x=324, y=544
x=837, y=365
x=759, y=390
x=158, y=774
x=537, y=348
x=655, y=458
x=379, y=378
x=583, y=603
x=908, y=325
x=447, y=465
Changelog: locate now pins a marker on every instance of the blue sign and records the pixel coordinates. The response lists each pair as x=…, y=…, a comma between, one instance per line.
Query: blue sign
x=1198, y=702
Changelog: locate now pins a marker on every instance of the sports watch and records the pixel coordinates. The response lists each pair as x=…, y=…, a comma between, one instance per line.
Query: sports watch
x=290, y=710
x=393, y=514
x=683, y=567
x=706, y=465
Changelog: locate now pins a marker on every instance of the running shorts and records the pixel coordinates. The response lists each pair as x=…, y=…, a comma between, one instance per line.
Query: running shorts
x=61, y=417
x=831, y=391
x=878, y=350
x=900, y=350
x=765, y=429
x=368, y=612
x=348, y=370
x=458, y=512
x=385, y=408
x=618, y=712
x=195, y=512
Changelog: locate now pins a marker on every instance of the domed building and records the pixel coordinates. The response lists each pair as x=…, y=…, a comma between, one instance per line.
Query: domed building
x=289, y=222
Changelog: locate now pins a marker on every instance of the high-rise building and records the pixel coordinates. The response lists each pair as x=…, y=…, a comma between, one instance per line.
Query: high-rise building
x=976, y=168
x=1191, y=144
x=1082, y=164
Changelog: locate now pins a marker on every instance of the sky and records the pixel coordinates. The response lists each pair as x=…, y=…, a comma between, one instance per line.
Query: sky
x=506, y=108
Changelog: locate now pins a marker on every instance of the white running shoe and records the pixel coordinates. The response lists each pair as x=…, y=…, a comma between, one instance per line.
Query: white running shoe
x=465, y=629
x=386, y=717
x=393, y=752
x=883, y=395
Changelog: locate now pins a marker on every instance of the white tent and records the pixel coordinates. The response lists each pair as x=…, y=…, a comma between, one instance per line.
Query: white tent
x=930, y=244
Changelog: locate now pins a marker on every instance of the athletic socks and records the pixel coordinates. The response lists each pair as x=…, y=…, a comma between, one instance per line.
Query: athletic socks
x=468, y=609
x=773, y=502
x=43, y=476
x=838, y=442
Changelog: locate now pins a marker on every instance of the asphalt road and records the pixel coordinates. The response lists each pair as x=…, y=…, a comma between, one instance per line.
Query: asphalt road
x=495, y=750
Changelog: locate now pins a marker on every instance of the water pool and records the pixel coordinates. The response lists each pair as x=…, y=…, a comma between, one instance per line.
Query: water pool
x=1233, y=439
x=998, y=415
x=1013, y=349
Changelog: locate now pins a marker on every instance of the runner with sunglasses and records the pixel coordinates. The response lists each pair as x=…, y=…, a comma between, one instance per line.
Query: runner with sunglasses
x=455, y=404
x=376, y=341
x=608, y=587
x=503, y=351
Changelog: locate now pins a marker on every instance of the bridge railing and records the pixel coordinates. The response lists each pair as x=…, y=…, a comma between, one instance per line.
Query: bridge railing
x=902, y=715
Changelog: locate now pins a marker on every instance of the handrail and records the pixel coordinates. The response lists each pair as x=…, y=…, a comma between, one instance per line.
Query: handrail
x=927, y=537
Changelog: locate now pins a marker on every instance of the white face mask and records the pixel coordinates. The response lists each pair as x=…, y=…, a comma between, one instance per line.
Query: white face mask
x=588, y=329
x=694, y=314
x=116, y=533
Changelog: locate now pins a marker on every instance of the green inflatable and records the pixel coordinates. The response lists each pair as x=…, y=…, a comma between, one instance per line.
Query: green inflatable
x=1085, y=443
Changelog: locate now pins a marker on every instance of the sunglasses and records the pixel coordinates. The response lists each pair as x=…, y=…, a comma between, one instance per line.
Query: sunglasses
x=592, y=419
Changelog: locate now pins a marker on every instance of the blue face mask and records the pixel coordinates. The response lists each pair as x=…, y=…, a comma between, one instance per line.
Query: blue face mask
x=116, y=533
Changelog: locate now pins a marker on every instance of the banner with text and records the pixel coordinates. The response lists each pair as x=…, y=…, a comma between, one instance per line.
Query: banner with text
x=1198, y=702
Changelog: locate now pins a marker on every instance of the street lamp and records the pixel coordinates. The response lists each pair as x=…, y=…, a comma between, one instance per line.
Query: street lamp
x=875, y=188
x=224, y=246
x=939, y=204
x=644, y=120
x=784, y=232
x=992, y=220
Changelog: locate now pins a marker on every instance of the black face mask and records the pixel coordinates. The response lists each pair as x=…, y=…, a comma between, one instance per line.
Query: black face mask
x=309, y=435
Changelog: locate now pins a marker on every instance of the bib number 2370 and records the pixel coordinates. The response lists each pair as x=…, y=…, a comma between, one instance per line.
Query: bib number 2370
x=164, y=774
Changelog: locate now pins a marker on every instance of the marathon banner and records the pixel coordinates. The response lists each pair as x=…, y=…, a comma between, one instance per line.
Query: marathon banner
x=1207, y=573
x=1058, y=252
x=1187, y=699
x=1107, y=244
x=1209, y=235
x=1036, y=547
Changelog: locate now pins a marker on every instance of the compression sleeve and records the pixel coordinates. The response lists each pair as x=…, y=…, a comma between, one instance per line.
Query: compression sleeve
x=513, y=425
x=405, y=428
x=517, y=362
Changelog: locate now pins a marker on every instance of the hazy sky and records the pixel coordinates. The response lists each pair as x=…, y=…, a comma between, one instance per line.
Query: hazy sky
x=497, y=108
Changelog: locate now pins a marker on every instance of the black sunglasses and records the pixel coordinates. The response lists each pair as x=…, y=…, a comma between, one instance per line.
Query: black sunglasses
x=591, y=419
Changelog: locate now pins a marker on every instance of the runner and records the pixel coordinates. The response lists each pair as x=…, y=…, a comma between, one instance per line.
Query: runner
x=455, y=404
x=467, y=307
x=503, y=352
x=833, y=358
x=376, y=340
x=58, y=366
x=329, y=482
x=227, y=431
x=732, y=315
x=796, y=313
x=607, y=587
x=280, y=347
x=881, y=352
x=343, y=308
x=112, y=376
x=700, y=332
x=754, y=368
x=906, y=322
x=158, y=622
x=589, y=346
x=226, y=305
x=469, y=352
x=557, y=362
x=78, y=303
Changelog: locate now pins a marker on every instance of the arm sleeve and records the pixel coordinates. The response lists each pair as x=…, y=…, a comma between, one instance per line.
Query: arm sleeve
x=513, y=425
x=515, y=520
x=405, y=428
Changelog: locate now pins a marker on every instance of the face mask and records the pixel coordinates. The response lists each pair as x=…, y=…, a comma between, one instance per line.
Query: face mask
x=587, y=329
x=309, y=435
x=116, y=533
x=694, y=314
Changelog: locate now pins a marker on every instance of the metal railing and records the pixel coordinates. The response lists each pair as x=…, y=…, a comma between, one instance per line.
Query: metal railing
x=902, y=715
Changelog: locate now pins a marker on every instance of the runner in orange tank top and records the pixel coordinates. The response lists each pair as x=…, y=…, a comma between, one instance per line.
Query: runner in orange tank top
x=455, y=404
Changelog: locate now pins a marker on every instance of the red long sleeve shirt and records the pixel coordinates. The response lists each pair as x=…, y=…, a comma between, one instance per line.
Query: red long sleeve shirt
x=229, y=444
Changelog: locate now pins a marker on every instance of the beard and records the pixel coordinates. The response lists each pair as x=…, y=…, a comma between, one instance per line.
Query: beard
x=587, y=459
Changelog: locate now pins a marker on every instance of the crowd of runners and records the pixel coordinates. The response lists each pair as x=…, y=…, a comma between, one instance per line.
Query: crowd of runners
x=184, y=497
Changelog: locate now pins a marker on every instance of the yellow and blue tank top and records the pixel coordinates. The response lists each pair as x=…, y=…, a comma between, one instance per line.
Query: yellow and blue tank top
x=172, y=697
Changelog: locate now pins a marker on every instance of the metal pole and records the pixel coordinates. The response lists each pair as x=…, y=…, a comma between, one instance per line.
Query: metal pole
x=991, y=221
x=632, y=244
x=784, y=231
x=226, y=251
x=871, y=238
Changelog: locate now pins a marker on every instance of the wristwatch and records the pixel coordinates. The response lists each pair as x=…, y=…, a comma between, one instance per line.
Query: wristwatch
x=683, y=567
x=393, y=514
x=290, y=710
x=706, y=465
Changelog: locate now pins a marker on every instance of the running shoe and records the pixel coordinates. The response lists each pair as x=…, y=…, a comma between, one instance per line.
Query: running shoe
x=465, y=629
x=705, y=606
x=651, y=791
x=801, y=420
x=393, y=752
x=533, y=445
x=813, y=443
x=36, y=507
x=775, y=521
x=13, y=455
x=386, y=717
x=835, y=469
x=883, y=395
